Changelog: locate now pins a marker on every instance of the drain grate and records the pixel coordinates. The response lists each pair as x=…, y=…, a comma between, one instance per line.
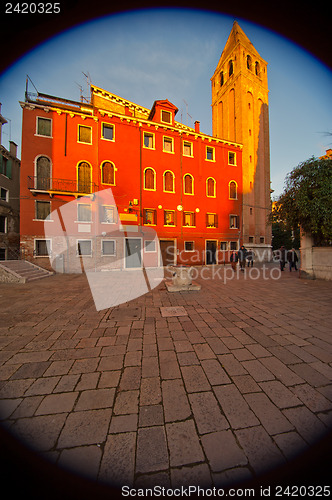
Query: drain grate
x=124, y=313
x=173, y=311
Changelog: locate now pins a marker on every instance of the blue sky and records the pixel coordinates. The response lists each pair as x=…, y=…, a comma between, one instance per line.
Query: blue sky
x=171, y=54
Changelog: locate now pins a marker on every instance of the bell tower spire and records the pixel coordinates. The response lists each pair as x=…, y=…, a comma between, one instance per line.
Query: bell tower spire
x=240, y=114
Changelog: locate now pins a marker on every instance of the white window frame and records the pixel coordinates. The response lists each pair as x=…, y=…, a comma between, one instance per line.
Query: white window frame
x=213, y=159
x=170, y=139
x=229, y=155
x=149, y=134
x=6, y=194
x=168, y=113
x=84, y=221
x=102, y=248
x=85, y=255
x=42, y=135
x=191, y=155
x=237, y=218
x=109, y=125
x=189, y=241
x=145, y=246
x=78, y=134
x=49, y=248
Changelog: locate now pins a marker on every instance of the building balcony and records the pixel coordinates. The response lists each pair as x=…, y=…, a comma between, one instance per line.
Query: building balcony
x=53, y=186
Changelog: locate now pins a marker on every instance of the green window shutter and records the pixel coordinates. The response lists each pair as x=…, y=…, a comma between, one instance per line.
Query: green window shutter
x=9, y=168
x=1, y=165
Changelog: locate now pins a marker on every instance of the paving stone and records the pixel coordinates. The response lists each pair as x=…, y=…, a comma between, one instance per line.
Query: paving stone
x=214, y=372
x=67, y=383
x=58, y=368
x=280, y=394
x=85, y=366
x=183, y=443
x=169, y=367
x=222, y=451
x=83, y=460
x=41, y=432
x=130, y=379
x=85, y=427
x=95, y=399
x=118, y=462
x=231, y=365
x=110, y=363
x=8, y=406
x=150, y=392
x=245, y=384
x=187, y=358
x=204, y=351
x=191, y=476
x=261, y=451
x=207, y=414
x=123, y=423
x=306, y=423
x=217, y=346
x=126, y=403
x=31, y=370
x=175, y=401
x=88, y=381
x=281, y=371
x=231, y=476
x=150, y=367
x=15, y=388
x=235, y=406
x=152, y=479
x=152, y=453
x=310, y=375
x=57, y=403
x=257, y=370
x=151, y=415
x=269, y=415
x=42, y=386
x=313, y=399
x=109, y=379
x=291, y=444
x=27, y=407
x=195, y=379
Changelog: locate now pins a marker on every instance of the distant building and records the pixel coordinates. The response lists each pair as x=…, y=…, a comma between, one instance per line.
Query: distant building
x=327, y=156
x=9, y=199
x=186, y=185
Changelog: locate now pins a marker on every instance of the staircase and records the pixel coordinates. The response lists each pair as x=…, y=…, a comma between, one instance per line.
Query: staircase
x=21, y=271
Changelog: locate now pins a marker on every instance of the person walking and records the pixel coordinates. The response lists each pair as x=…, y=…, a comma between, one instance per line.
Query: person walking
x=250, y=258
x=242, y=255
x=292, y=259
x=233, y=260
x=282, y=257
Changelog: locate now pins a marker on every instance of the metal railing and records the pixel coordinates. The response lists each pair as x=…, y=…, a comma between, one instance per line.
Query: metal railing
x=60, y=185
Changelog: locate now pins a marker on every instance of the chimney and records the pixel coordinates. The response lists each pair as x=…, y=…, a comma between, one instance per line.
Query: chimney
x=13, y=148
x=197, y=123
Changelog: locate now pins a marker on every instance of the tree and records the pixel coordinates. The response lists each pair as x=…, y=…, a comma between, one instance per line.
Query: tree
x=307, y=200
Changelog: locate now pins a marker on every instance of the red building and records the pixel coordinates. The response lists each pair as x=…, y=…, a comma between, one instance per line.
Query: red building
x=184, y=184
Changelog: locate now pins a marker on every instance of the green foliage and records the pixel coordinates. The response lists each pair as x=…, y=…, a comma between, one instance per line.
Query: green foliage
x=306, y=200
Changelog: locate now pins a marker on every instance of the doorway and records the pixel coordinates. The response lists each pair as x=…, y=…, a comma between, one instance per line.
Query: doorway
x=210, y=252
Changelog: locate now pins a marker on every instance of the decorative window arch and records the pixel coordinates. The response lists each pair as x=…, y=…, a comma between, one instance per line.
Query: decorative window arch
x=188, y=184
x=169, y=181
x=43, y=172
x=249, y=62
x=149, y=179
x=108, y=173
x=232, y=186
x=84, y=172
x=210, y=187
x=230, y=68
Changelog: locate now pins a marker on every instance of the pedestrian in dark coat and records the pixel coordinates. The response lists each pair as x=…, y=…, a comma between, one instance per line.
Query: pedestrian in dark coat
x=234, y=260
x=250, y=258
x=292, y=259
x=282, y=257
x=242, y=255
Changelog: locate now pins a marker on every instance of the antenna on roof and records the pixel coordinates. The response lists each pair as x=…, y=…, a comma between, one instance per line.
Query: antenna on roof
x=88, y=84
x=81, y=91
x=27, y=93
x=187, y=112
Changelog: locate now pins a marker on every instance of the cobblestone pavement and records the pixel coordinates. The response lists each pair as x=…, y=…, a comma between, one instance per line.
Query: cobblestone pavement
x=237, y=385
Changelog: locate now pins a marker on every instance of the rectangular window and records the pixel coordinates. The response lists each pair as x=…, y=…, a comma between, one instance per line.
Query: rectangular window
x=189, y=219
x=85, y=134
x=223, y=246
x=107, y=131
x=44, y=126
x=234, y=221
x=148, y=140
x=251, y=239
x=43, y=209
x=169, y=218
x=3, y=224
x=209, y=153
x=6, y=166
x=42, y=248
x=84, y=213
x=149, y=216
x=261, y=239
x=108, y=247
x=84, y=247
x=166, y=116
x=2, y=254
x=150, y=246
x=108, y=214
x=4, y=194
x=231, y=158
x=187, y=148
x=168, y=145
x=211, y=220
x=189, y=246
x=233, y=245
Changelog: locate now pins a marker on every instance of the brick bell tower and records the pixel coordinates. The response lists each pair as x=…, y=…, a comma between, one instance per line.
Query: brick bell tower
x=240, y=114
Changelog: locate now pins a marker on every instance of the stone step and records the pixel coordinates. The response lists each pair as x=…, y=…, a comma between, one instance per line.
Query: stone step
x=25, y=270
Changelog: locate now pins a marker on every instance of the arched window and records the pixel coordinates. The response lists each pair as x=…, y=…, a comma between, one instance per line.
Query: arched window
x=84, y=177
x=149, y=179
x=169, y=181
x=257, y=68
x=210, y=187
x=232, y=190
x=249, y=62
x=188, y=184
x=108, y=173
x=221, y=78
x=43, y=173
x=230, y=68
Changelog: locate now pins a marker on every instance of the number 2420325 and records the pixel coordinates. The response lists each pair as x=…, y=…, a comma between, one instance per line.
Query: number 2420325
x=32, y=8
